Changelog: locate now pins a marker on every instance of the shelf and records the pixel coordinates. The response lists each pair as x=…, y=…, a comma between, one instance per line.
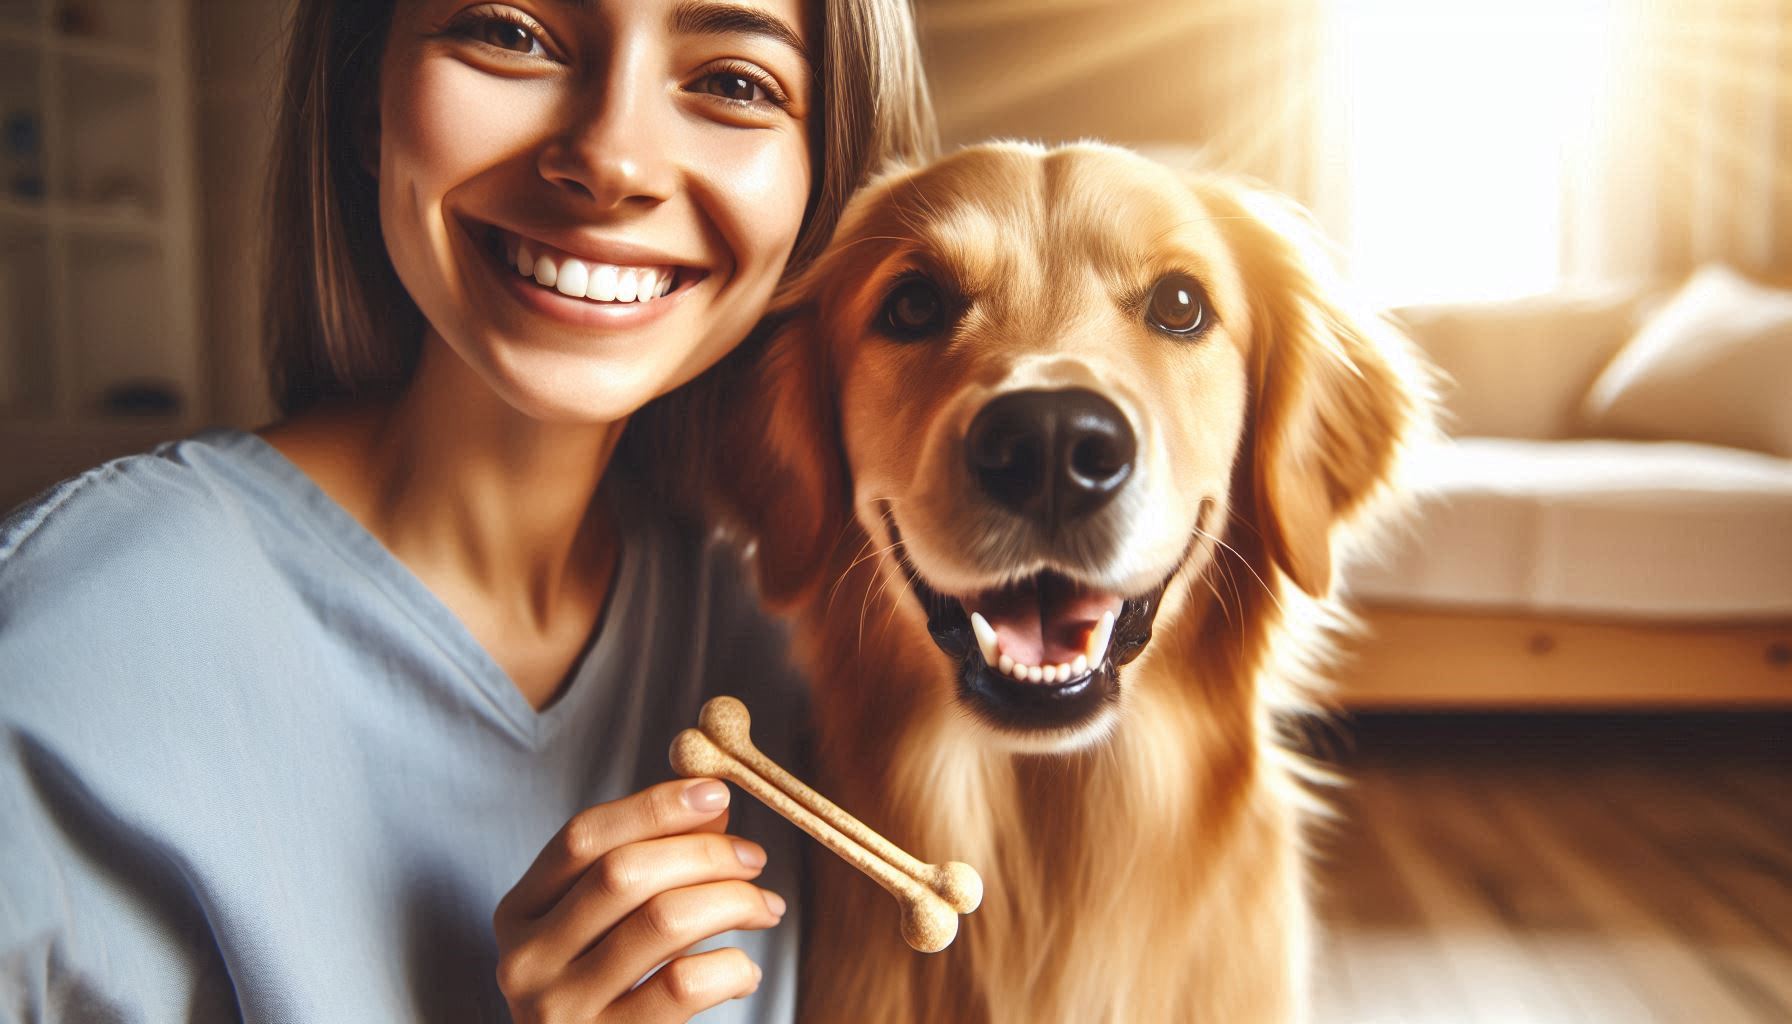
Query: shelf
x=24, y=213
x=109, y=30
x=20, y=38
x=27, y=356
x=119, y=326
x=126, y=222
x=108, y=55
x=99, y=334
x=120, y=223
x=111, y=145
x=23, y=148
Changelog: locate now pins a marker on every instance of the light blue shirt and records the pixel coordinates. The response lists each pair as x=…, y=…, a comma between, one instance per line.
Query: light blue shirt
x=252, y=768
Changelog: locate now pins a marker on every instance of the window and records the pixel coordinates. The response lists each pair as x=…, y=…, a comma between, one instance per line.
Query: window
x=1461, y=126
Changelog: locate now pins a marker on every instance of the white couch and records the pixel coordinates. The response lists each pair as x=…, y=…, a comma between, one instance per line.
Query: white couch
x=1585, y=539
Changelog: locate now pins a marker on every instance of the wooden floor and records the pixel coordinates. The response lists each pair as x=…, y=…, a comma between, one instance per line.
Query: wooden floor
x=1523, y=869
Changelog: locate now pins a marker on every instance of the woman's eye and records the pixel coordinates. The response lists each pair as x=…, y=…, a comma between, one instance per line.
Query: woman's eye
x=914, y=310
x=1178, y=305
x=503, y=33
x=508, y=35
x=730, y=85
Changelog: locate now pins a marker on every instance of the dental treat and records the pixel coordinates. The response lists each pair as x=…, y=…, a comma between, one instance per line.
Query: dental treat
x=932, y=895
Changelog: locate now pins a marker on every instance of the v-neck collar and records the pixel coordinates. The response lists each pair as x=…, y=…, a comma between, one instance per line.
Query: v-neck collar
x=335, y=527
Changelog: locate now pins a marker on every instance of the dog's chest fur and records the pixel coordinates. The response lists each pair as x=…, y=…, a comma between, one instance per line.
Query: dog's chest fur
x=1155, y=877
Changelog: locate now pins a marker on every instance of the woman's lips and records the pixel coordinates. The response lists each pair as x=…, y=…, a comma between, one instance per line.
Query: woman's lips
x=583, y=292
x=587, y=279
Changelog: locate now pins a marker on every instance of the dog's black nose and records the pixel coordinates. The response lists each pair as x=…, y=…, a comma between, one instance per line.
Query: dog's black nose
x=1052, y=456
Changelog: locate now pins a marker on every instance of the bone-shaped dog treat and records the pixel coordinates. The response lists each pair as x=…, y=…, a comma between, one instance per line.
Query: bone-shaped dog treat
x=932, y=895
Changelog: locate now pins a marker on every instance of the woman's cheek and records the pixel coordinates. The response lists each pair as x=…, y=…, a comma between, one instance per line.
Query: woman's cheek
x=444, y=126
x=762, y=176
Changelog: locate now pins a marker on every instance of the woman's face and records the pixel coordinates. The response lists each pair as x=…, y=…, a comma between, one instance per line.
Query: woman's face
x=592, y=200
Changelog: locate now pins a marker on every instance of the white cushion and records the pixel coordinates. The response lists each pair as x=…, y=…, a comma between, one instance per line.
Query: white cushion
x=1714, y=365
x=1608, y=529
x=1520, y=368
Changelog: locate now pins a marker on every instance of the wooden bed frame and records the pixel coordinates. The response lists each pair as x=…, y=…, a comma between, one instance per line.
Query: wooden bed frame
x=1420, y=658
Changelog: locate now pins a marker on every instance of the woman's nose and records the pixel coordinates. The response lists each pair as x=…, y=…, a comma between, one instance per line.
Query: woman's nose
x=613, y=152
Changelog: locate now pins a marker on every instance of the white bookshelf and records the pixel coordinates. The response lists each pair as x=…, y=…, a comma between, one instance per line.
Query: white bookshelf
x=100, y=337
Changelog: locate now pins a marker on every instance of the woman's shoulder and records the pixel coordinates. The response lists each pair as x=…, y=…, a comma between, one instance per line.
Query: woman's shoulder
x=138, y=559
x=180, y=499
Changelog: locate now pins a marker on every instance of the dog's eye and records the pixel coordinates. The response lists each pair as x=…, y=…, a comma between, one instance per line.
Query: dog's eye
x=915, y=310
x=1178, y=305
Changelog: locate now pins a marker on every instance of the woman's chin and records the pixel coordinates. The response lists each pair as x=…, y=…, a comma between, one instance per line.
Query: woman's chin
x=569, y=403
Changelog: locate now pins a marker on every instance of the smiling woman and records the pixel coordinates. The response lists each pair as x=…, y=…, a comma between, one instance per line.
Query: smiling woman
x=704, y=178
x=360, y=716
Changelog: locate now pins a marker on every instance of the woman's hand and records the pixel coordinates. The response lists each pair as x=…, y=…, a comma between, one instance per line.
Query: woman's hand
x=623, y=887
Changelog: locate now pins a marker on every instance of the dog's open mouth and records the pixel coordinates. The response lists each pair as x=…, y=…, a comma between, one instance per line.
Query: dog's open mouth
x=1042, y=653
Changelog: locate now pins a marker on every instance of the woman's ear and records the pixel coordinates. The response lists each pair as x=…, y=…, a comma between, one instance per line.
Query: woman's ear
x=1338, y=395
x=782, y=478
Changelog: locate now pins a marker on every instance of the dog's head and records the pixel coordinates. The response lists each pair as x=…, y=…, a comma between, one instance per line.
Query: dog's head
x=1056, y=386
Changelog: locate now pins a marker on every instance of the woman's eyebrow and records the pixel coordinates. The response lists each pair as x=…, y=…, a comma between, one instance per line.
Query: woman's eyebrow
x=705, y=17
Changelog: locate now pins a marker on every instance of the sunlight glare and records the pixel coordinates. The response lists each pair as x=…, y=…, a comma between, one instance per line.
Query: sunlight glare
x=1463, y=120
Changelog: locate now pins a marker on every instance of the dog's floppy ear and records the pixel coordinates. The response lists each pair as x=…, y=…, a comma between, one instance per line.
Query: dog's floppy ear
x=1338, y=394
x=780, y=471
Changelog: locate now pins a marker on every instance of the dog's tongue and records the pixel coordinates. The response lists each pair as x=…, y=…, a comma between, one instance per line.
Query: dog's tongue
x=1045, y=620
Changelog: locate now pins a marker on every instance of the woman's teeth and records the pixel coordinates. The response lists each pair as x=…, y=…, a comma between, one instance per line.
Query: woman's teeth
x=599, y=282
x=1094, y=651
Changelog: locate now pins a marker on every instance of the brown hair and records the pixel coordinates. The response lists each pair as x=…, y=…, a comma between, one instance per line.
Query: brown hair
x=337, y=320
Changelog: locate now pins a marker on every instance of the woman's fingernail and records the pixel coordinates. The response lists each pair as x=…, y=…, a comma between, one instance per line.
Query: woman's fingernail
x=750, y=855
x=707, y=796
x=773, y=902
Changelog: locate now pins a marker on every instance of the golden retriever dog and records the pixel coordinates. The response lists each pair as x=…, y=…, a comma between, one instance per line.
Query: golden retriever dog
x=1048, y=461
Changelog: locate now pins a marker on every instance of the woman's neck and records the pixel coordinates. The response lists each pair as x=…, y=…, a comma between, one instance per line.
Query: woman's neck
x=492, y=510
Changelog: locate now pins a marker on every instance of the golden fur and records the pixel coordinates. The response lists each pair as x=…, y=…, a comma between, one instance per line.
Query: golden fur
x=1149, y=867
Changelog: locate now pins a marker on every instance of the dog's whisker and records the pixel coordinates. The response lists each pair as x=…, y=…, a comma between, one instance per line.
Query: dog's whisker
x=840, y=580
x=883, y=588
x=1224, y=569
x=1232, y=580
x=859, y=556
x=865, y=604
x=1235, y=519
x=895, y=603
x=870, y=597
x=1207, y=580
x=879, y=553
x=1267, y=589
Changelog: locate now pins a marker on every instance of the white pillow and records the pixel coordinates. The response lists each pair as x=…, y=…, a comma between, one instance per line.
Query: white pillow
x=1713, y=365
x=1521, y=367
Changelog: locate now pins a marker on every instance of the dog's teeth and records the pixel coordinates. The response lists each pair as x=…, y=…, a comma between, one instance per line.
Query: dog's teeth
x=1035, y=674
x=986, y=638
x=1005, y=665
x=1099, y=636
x=1079, y=666
x=1064, y=672
x=1049, y=673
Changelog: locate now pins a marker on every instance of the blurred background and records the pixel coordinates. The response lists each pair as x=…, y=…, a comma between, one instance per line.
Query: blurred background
x=1567, y=720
